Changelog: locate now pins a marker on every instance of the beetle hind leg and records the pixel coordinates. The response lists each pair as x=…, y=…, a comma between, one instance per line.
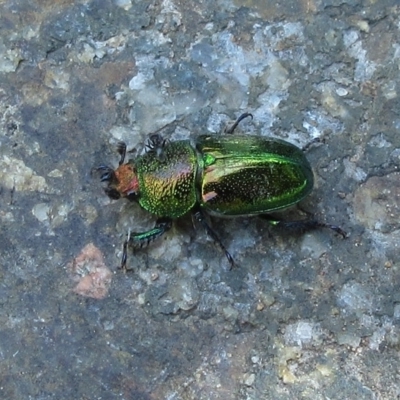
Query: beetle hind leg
x=236, y=123
x=303, y=225
x=143, y=239
x=199, y=216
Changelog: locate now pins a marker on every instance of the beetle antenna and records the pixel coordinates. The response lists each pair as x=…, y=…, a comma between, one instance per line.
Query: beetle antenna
x=121, y=149
x=107, y=173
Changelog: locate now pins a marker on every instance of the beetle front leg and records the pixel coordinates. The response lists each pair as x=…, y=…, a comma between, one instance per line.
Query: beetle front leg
x=198, y=214
x=143, y=239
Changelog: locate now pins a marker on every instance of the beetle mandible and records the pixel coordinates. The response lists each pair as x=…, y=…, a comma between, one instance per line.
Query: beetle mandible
x=223, y=175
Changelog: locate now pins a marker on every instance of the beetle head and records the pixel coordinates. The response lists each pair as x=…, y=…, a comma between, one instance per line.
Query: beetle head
x=122, y=182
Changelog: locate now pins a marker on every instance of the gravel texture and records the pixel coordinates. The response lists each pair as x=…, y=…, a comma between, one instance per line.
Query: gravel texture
x=304, y=315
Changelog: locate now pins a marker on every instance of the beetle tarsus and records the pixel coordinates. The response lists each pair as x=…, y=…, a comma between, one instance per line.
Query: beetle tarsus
x=125, y=256
x=311, y=143
x=200, y=217
x=156, y=146
x=241, y=118
x=334, y=228
x=156, y=142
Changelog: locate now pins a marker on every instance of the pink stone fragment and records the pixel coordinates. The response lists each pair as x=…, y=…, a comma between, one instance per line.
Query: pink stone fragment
x=91, y=274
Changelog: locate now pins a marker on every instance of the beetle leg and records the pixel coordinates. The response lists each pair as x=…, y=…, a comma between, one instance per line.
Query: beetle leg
x=156, y=141
x=304, y=225
x=156, y=146
x=234, y=126
x=143, y=239
x=198, y=214
x=311, y=144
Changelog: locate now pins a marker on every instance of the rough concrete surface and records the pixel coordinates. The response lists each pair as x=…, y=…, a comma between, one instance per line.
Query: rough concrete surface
x=303, y=315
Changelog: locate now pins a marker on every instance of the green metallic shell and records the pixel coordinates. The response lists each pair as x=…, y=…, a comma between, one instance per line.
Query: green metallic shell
x=167, y=179
x=245, y=175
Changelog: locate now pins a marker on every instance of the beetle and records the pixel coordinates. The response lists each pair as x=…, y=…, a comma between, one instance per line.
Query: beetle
x=222, y=175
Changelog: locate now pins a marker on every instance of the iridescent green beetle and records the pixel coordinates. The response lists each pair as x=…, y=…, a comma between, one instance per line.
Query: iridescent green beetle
x=224, y=175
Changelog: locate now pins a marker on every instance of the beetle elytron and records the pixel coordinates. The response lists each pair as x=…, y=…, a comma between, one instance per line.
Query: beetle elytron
x=224, y=175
